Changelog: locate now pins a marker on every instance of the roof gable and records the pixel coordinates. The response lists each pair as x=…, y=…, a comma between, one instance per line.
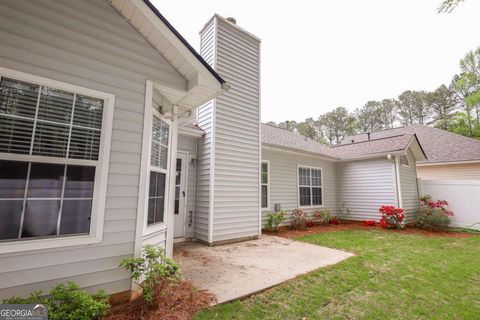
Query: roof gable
x=438, y=145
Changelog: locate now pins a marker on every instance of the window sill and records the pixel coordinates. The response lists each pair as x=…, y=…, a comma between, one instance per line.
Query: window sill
x=312, y=207
x=154, y=229
x=48, y=243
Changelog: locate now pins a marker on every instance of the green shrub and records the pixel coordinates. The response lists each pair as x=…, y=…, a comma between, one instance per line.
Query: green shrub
x=299, y=220
x=432, y=219
x=150, y=268
x=274, y=220
x=322, y=217
x=68, y=302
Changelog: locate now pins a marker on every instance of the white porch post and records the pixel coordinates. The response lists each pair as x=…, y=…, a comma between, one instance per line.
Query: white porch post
x=171, y=183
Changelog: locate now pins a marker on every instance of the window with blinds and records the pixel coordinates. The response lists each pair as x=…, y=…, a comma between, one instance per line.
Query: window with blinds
x=264, y=181
x=48, y=190
x=158, y=171
x=310, y=186
x=43, y=121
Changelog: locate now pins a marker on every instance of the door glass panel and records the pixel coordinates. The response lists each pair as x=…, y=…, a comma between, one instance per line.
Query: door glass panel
x=178, y=181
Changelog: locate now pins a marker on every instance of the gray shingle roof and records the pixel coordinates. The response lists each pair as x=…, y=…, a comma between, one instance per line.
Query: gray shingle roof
x=439, y=145
x=283, y=138
x=277, y=137
x=372, y=147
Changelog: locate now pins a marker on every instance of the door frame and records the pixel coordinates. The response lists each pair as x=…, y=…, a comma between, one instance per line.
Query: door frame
x=184, y=179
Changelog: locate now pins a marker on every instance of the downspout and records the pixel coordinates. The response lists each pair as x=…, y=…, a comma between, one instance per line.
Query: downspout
x=397, y=176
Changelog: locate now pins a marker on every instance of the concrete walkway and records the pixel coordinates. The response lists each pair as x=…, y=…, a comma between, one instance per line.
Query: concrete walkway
x=238, y=270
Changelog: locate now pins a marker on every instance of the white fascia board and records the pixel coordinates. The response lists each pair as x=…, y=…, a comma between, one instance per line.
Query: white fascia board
x=446, y=163
x=297, y=152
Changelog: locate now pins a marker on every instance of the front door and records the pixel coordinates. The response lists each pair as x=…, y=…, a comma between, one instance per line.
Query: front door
x=180, y=195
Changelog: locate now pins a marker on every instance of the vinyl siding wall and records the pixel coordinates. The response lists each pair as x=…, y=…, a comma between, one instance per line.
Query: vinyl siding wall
x=189, y=144
x=409, y=187
x=365, y=185
x=237, y=136
x=205, y=120
x=284, y=181
x=88, y=44
x=466, y=171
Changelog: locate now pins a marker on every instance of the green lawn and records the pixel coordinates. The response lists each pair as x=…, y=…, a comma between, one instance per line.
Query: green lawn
x=392, y=276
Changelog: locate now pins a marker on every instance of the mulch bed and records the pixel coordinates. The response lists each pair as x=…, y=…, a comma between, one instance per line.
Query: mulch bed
x=177, y=302
x=286, y=232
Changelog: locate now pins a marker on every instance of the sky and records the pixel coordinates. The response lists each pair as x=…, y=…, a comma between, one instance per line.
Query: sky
x=319, y=55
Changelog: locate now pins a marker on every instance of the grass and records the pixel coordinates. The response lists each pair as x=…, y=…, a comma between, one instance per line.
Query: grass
x=392, y=276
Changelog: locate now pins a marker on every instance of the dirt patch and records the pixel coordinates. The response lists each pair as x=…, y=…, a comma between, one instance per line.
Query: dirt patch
x=286, y=232
x=178, y=302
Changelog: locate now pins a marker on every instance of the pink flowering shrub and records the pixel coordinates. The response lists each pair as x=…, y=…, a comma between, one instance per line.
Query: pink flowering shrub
x=392, y=217
x=433, y=215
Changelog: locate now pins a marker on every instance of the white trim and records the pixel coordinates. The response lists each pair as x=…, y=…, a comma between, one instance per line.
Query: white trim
x=144, y=168
x=399, y=186
x=446, y=163
x=158, y=227
x=183, y=178
x=267, y=184
x=212, y=173
x=170, y=184
x=101, y=168
x=311, y=196
x=191, y=132
x=297, y=152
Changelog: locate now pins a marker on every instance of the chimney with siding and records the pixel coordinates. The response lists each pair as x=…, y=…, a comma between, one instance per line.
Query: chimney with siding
x=228, y=194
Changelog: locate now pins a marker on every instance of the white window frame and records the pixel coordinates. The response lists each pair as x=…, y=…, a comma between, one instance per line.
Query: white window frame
x=408, y=161
x=101, y=168
x=311, y=197
x=159, y=226
x=265, y=184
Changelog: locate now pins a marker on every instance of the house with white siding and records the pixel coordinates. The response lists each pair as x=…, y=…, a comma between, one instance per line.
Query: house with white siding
x=115, y=133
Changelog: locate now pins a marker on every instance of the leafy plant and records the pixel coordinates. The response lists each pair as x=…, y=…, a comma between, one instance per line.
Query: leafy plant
x=299, y=220
x=150, y=268
x=274, y=220
x=433, y=215
x=322, y=217
x=68, y=302
x=392, y=217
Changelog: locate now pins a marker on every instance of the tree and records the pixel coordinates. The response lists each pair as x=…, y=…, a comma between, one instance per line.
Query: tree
x=442, y=103
x=470, y=66
x=368, y=118
x=448, y=6
x=271, y=123
x=336, y=124
x=289, y=125
x=308, y=129
x=413, y=107
x=389, y=113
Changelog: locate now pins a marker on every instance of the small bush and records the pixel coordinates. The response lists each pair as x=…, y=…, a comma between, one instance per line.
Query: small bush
x=433, y=215
x=274, y=220
x=343, y=213
x=322, y=217
x=150, y=268
x=369, y=223
x=299, y=220
x=68, y=302
x=392, y=217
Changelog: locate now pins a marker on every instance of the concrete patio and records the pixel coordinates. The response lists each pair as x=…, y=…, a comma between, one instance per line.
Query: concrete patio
x=238, y=270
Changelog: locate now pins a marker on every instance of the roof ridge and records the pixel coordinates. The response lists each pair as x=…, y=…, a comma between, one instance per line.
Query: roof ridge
x=376, y=139
x=383, y=130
